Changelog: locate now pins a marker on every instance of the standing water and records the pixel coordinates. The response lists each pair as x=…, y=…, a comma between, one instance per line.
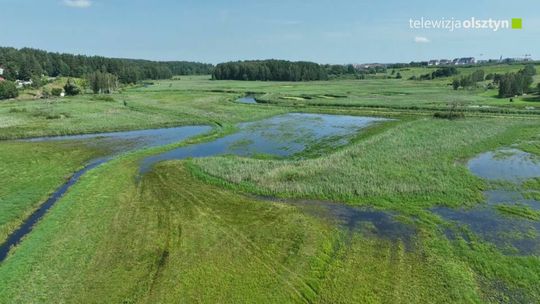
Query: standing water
x=247, y=99
x=511, y=233
x=282, y=135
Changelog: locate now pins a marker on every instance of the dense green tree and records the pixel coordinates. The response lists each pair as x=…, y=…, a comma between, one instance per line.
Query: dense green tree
x=37, y=81
x=456, y=83
x=512, y=84
x=529, y=70
x=71, y=88
x=477, y=76
x=102, y=83
x=444, y=72
x=8, y=89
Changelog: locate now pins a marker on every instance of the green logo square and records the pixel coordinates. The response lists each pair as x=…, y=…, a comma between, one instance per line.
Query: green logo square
x=517, y=23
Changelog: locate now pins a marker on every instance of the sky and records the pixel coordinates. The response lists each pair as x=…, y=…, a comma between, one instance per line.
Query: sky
x=323, y=31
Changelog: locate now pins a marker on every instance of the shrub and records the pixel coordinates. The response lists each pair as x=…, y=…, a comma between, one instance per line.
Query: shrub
x=453, y=112
x=56, y=92
x=104, y=98
x=444, y=72
x=449, y=115
x=18, y=110
x=455, y=84
x=8, y=89
x=71, y=88
x=512, y=84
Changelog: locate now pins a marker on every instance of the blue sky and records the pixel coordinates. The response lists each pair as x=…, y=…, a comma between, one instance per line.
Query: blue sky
x=338, y=31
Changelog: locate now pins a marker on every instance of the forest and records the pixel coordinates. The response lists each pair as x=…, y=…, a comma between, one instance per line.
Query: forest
x=270, y=70
x=27, y=63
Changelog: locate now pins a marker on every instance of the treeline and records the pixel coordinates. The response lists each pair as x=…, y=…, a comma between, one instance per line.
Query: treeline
x=270, y=70
x=512, y=84
x=26, y=64
x=438, y=73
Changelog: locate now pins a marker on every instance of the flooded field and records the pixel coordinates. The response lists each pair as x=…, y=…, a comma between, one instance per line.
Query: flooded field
x=510, y=232
x=281, y=136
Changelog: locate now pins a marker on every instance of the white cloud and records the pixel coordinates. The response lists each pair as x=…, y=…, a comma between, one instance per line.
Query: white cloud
x=420, y=39
x=78, y=3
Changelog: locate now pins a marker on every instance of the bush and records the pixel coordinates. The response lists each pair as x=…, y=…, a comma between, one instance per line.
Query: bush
x=8, y=89
x=71, y=88
x=45, y=93
x=455, y=84
x=513, y=84
x=477, y=76
x=56, y=92
x=102, y=82
x=104, y=98
x=454, y=112
x=449, y=115
x=444, y=72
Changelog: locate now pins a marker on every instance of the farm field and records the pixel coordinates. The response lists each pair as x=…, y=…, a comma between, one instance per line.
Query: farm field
x=382, y=209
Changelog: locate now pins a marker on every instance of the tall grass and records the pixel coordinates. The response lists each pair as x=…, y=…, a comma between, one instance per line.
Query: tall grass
x=414, y=163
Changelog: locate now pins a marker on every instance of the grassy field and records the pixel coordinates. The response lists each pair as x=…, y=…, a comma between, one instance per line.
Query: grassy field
x=175, y=238
x=30, y=172
x=197, y=231
x=198, y=100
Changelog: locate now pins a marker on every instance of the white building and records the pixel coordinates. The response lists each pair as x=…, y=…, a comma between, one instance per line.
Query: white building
x=1, y=70
x=21, y=83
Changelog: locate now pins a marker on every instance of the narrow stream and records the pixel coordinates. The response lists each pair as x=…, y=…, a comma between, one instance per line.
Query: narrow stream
x=119, y=142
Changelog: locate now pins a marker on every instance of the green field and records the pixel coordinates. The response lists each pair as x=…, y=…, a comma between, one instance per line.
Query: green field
x=203, y=230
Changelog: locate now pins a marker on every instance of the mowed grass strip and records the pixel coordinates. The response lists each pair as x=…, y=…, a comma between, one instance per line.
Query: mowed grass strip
x=32, y=171
x=174, y=238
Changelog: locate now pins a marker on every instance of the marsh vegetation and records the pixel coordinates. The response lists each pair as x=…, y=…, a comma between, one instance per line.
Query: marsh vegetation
x=345, y=192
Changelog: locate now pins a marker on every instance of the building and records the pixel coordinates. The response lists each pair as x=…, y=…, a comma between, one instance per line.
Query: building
x=1, y=70
x=21, y=83
x=444, y=62
x=433, y=62
x=466, y=60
